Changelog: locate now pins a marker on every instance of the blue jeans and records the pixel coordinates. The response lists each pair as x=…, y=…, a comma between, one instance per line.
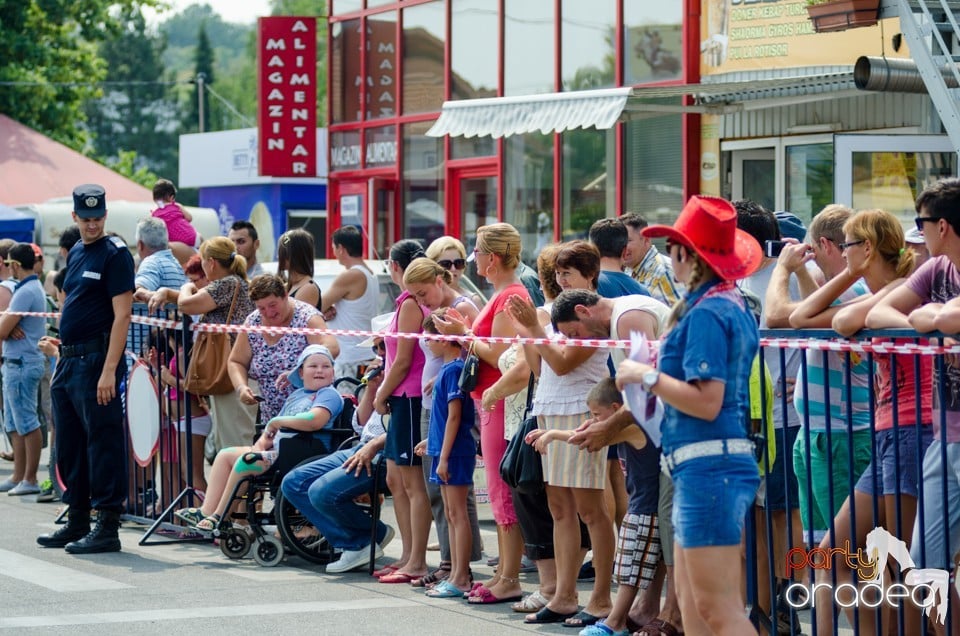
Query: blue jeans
x=324, y=493
x=20, y=385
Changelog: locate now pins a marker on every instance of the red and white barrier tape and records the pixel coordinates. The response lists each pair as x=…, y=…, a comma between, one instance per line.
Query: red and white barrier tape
x=781, y=343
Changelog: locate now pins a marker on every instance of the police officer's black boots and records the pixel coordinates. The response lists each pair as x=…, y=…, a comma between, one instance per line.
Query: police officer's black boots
x=77, y=527
x=103, y=537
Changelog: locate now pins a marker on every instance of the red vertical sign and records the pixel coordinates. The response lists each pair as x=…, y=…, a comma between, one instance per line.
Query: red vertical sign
x=287, y=92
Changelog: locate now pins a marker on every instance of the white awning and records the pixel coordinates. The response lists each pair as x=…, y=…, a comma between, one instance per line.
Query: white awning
x=602, y=108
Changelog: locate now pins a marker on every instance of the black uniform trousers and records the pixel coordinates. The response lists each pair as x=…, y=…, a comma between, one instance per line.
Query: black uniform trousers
x=91, y=444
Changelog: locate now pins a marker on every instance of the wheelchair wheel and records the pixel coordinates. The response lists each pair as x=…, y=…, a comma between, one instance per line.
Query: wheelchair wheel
x=234, y=543
x=291, y=523
x=268, y=551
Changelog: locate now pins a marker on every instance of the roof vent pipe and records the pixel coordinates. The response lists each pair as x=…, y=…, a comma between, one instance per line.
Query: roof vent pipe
x=893, y=75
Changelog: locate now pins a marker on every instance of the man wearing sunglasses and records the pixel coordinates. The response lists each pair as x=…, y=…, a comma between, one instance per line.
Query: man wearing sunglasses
x=351, y=300
x=928, y=301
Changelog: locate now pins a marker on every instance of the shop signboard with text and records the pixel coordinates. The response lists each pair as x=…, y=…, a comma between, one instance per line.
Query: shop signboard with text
x=750, y=35
x=287, y=97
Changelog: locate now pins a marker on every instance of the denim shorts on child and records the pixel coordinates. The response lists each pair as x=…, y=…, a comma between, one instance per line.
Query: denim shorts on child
x=710, y=499
x=460, y=468
x=897, y=461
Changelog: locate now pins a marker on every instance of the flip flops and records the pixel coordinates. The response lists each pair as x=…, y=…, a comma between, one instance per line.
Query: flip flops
x=397, y=577
x=444, y=589
x=387, y=569
x=583, y=618
x=547, y=615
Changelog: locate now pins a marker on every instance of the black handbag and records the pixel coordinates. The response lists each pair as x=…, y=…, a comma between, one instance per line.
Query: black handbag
x=471, y=369
x=521, y=466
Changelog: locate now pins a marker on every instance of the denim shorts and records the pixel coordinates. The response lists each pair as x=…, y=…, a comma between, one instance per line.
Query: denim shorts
x=893, y=476
x=711, y=497
x=21, y=382
x=460, y=468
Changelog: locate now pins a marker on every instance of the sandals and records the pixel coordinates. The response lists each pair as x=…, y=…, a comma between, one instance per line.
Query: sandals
x=444, y=589
x=208, y=524
x=600, y=629
x=440, y=574
x=530, y=604
x=547, y=615
x=387, y=569
x=583, y=618
x=190, y=516
x=658, y=627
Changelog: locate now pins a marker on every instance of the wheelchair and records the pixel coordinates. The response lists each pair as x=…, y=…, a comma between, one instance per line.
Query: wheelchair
x=256, y=493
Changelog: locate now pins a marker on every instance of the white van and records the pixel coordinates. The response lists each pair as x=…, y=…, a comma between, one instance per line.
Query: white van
x=53, y=216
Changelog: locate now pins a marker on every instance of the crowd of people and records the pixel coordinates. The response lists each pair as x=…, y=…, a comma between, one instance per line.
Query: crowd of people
x=661, y=521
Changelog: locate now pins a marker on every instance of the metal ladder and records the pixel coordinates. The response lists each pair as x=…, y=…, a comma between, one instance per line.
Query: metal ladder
x=931, y=30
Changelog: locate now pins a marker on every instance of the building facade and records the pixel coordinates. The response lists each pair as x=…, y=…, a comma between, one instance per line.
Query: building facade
x=739, y=98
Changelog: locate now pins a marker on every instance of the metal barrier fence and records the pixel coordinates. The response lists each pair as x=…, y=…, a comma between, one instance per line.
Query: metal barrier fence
x=835, y=397
x=865, y=419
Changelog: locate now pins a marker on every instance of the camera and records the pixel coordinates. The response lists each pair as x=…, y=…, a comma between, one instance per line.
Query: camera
x=773, y=248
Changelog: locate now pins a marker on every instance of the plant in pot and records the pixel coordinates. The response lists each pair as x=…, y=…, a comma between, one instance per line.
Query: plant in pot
x=839, y=15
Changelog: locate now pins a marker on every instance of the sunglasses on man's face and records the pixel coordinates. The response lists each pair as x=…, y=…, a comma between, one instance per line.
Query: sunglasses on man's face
x=379, y=349
x=459, y=263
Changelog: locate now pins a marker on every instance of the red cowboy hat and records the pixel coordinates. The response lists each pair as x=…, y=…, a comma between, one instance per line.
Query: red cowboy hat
x=708, y=225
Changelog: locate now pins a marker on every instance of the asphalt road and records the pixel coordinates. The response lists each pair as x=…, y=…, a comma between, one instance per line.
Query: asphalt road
x=193, y=589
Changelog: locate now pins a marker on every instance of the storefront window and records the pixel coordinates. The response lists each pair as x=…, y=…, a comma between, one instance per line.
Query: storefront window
x=345, y=150
x=528, y=197
x=424, y=33
x=380, y=147
x=653, y=179
x=809, y=182
x=473, y=28
x=382, y=65
x=423, y=215
x=345, y=72
x=528, y=47
x=652, y=41
x=469, y=148
x=586, y=155
x=588, y=35
x=341, y=7
x=891, y=181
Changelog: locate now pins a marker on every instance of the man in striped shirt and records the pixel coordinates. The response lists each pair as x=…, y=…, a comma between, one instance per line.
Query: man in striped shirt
x=648, y=266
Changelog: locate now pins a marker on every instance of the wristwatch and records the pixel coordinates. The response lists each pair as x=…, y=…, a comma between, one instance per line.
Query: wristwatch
x=649, y=379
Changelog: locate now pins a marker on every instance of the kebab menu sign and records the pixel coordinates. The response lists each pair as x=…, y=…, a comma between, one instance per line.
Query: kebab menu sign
x=287, y=81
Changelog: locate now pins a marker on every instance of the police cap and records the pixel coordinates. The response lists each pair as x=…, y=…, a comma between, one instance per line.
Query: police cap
x=89, y=201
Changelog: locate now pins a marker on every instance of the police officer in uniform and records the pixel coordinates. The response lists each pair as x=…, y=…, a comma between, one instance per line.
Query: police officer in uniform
x=91, y=446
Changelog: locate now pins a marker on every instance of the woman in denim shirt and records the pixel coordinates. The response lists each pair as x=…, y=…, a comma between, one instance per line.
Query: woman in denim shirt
x=703, y=377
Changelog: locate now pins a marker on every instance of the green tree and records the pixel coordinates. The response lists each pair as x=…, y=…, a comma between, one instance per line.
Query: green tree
x=48, y=60
x=137, y=110
x=129, y=165
x=203, y=61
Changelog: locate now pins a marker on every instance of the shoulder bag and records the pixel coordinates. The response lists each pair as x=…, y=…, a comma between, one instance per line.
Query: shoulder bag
x=521, y=467
x=207, y=371
x=471, y=369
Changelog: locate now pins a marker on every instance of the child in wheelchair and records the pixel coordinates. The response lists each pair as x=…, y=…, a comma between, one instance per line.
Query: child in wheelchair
x=312, y=406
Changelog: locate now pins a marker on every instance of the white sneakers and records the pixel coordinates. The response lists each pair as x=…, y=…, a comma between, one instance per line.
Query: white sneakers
x=24, y=488
x=352, y=559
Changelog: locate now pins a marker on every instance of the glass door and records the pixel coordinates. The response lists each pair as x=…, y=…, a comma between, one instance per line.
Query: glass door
x=889, y=171
x=382, y=217
x=755, y=176
x=474, y=204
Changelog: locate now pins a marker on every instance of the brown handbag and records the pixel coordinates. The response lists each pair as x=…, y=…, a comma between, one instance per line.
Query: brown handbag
x=207, y=371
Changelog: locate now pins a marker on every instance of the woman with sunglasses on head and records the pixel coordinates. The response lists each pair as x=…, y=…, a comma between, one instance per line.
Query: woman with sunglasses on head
x=497, y=257
x=430, y=283
x=400, y=395
x=875, y=251
x=451, y=255
x=703, y=380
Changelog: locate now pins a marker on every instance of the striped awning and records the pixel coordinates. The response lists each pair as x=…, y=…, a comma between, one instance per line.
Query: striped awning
x=602, y=108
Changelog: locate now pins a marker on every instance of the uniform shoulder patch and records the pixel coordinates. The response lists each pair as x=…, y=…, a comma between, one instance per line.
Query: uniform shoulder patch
x=117, y=241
